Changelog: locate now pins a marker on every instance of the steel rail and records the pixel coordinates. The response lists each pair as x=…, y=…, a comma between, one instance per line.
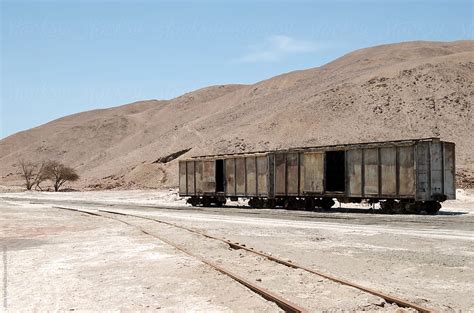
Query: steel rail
x=235, y=245
x=283, y=303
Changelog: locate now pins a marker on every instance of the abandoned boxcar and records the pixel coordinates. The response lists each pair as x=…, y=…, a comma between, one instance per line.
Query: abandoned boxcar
x=406, y=176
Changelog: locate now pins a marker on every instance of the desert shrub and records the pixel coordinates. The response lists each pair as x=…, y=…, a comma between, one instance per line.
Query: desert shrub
x=58, y=173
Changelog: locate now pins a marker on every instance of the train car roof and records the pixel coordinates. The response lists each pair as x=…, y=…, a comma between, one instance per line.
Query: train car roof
x=331, y=147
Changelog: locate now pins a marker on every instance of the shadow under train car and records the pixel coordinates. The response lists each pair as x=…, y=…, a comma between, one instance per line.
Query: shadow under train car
x=405, y=176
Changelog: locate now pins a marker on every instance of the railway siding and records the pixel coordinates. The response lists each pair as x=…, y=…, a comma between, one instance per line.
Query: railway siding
x=411, y=256
x=292, y=281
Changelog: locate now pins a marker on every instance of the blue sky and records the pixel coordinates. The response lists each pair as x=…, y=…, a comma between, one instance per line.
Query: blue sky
x=63, y=57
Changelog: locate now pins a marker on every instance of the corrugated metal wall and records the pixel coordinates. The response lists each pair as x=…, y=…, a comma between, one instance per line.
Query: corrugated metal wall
x=230, y=177
x=247, y=176
x=312, y=169
x=388, y=171
x=354, y=173
x=449, y=176
x=371, y=172
x=262, y=175
x=435, y=170
x=380, y=172
x=406, y=171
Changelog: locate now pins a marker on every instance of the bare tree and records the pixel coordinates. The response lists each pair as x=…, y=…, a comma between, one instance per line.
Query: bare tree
x=58, y=173
x=28, y=170
x=40, y=176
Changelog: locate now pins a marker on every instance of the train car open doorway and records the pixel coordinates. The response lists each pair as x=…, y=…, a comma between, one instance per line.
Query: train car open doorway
x=220, y=176
x=335, y=171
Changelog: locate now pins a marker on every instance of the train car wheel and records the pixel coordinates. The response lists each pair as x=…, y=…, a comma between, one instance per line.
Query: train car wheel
x=309, y=204
x=206, y=201
x=327, y=203
x=194, y=201
x=256, y=203
x=290, y=204
x=432, y=207
x=387, y=207
x=270, y=203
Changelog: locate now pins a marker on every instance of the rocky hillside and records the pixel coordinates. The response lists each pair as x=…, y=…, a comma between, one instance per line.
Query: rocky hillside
x=398, y=91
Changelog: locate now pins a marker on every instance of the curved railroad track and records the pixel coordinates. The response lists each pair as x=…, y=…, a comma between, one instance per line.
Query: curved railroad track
x=283, y=303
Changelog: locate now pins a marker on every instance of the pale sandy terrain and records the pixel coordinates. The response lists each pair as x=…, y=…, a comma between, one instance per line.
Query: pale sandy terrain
x=59, y=261
x=65, y=260
x=399, y=91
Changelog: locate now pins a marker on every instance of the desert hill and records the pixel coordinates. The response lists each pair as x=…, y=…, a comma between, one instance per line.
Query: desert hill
x=397, y=91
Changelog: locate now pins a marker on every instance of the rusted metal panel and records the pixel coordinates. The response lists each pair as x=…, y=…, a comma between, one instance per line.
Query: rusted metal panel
x=449, y=170
x=354, y=172
x=301, y=173
x=312, y=169
x=198, y=176
x=271, y=175
x=230, y=177
x=371, y=172
x=208, y=183
x=388, y=171
x=280, y=174
x=406, y=169
x=423, y=172
x=182, y=178
x=240, y=176
x=262, y=175
x=292, y=174
x=190, y=175
x=436, y=164
x=251, y=165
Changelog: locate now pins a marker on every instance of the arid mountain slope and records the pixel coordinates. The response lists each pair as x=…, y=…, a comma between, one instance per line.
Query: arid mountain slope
x=406, y=90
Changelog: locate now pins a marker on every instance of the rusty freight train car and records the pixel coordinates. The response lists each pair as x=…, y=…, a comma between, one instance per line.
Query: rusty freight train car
x=406, y=176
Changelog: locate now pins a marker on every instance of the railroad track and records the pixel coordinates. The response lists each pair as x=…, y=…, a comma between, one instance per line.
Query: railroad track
x=353, y=214
x=286, y=305
x=283, y=303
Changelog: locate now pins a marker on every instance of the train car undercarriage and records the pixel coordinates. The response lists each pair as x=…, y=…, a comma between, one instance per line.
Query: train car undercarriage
x=387, y=206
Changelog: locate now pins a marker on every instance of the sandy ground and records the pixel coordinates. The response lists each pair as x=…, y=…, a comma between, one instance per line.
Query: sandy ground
x=65, y=260
x=59, y=260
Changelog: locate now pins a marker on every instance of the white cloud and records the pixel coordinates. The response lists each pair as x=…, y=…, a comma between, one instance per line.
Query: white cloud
x=277, y=47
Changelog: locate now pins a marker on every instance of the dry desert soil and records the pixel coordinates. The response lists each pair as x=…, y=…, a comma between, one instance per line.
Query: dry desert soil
x=56, y=259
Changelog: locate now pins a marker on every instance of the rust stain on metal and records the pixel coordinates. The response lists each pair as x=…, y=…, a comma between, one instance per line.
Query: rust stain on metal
x=312, y=164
